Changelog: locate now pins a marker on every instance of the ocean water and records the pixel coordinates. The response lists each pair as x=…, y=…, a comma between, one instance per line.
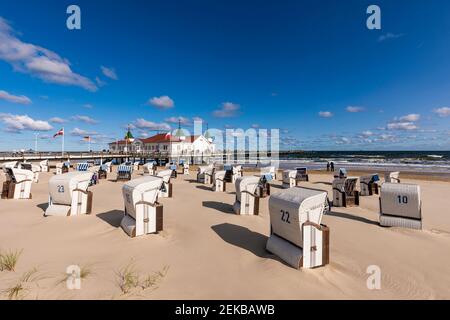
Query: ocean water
x=411, y=161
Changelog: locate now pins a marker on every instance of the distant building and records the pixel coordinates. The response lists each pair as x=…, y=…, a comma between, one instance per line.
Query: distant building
x=166, y=144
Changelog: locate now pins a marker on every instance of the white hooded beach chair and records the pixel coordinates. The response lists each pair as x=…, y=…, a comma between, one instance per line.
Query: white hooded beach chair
x=62, y=167
x=166, y=190
x=400, y=206
x=107, y=166
x=392, y=177
x=124, y=172
x=247, y=198
x=237, y=172
x=219, y=181
x=201, y=173
x=369, y=184
x=289, y=178
x=345, y=193
x=209, y=174
x=18, y=183
x=44, y=165
x=185, y=168
x=297, y=236
x=269, y=172
x=69, y=194
x=149, y=169
x=136, y=166
x=302, y=174
x=143, y=213
x=33, y=168
x=11, y=164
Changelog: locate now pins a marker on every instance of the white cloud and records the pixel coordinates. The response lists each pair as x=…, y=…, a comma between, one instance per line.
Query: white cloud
x=77, y=132
x=109, y=72
x=17, y=123
x=353, y=109
x=182, y=120
x=163, y=102
x=442, y=112
x=413, y=117
x=84, y=119
x=402, y=126
x=100, y=82
x=227, y=110
x=57, y=120
x=14, y=99
x=38, y=61
x=88, y=106
x=150, y=125
x=326, y=114
x=389, y=35
x=367, y=133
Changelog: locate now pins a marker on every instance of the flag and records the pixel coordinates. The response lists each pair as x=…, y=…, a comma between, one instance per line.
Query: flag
x=87, y=138
x=59, y=133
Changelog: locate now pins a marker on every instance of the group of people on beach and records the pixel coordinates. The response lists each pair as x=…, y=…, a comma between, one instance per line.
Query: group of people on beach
x=330, y=166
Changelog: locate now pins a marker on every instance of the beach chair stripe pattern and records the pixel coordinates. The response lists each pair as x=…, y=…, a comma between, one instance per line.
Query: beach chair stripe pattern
x=125, y=169
x=82, y=166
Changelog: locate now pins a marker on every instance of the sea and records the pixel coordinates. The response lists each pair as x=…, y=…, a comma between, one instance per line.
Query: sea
x=410, y=161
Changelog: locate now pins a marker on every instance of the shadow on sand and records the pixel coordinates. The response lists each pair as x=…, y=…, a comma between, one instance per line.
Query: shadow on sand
x=43, y=206
x=219, y=206
x=203, y=187
x=243, y=238
x=113, y=217
x=351, y=217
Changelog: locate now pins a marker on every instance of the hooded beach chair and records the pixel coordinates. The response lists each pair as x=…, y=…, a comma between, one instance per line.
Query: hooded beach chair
x=174, y=169
x=62, y=167
x=149, y=169
x=209, y=174
x=289, y=178
x=369, y=184
x=33, y=168
x=201, y=174
x=219, y=181
x=228, y=168
x=344, y=192
x=297, y=236
x=237, y=172
x=136, y=166
x=392, y=177
x=185, y=168
x=269, y=171
x=302, y=174
x=103, y=171
x=18, y=183
x=143, y=213
x=124, y=172
x=400, y=206
x=108, y=166
x=44, y=165
x=247, y=198
x=69, y=194
x=11, y=164
x=166, y=190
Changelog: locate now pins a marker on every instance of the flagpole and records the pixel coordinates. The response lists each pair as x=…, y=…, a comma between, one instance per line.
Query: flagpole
x=62, y=147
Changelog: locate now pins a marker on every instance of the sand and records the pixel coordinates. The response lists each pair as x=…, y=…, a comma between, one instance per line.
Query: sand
x=207, y=252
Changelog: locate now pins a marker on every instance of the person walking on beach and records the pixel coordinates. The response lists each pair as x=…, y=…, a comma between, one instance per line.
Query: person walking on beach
x=332, y=166
x=328, y=166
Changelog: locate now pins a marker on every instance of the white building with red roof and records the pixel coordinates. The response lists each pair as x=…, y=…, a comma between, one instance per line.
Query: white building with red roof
x=164, y=143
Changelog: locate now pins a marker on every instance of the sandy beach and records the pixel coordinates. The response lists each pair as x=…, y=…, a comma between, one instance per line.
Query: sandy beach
x=207, y=252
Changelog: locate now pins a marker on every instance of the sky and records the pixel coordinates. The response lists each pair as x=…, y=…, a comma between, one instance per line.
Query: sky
x=311, y=69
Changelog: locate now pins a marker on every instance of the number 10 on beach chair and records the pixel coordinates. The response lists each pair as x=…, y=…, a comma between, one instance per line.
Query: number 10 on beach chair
x=297, y=236
x=400, y=205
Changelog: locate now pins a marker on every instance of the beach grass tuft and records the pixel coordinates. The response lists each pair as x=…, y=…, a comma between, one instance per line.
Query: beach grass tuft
x=19, y=290
x=127, y=278
x=8, y=260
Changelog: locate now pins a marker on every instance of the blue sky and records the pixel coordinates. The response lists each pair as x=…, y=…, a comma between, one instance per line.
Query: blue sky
x=309, y=68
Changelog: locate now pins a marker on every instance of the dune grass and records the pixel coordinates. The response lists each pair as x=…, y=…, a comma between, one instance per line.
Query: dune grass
x=128, y=279
x=9, y=259
x=18, y=291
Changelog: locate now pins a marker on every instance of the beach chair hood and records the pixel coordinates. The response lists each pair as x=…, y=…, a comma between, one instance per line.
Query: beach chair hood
x=246, y=184
x=290, y=209
x=138, y=190
x=165, y=175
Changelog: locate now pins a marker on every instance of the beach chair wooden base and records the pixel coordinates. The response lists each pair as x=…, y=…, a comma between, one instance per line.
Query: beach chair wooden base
x=315, y=252
x=128, y=223
x=8, y=190
x=400, y=222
